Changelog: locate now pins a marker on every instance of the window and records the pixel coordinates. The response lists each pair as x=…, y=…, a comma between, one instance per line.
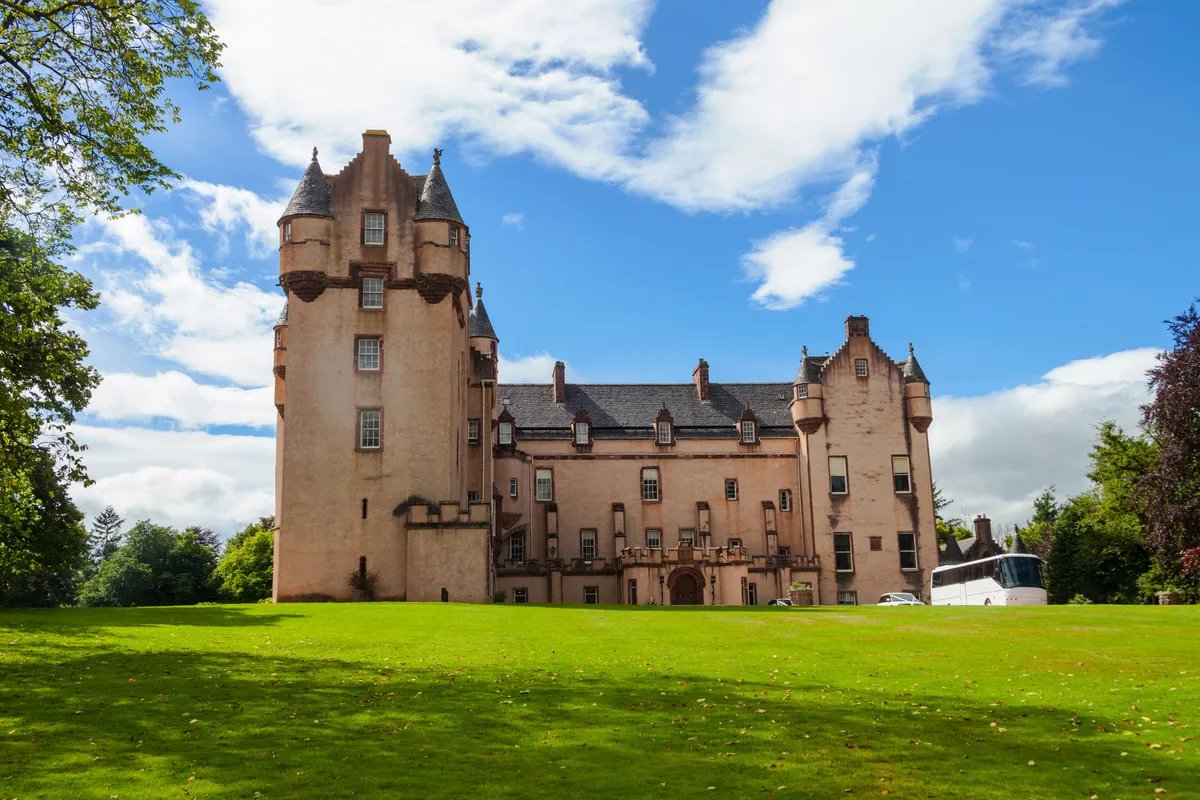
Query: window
x=516, y=547
x=543, y=485
x=453, y=234
x=278, y=340
x=472, y=496
x=505, y=435
x=843, y=554
x=731, y=492
x=785, y=551
x=735, y=542
x=802, y=391
x=513, y=485
x=632, y=592
x=752, y=594
x=369, y=434
x=364, y=508
x=653, y=537
x=591, y=595
x=373, y=227
x=908, y=551
x=650, y=488
x=367, y=354
x=749, y=431
x=287, y=231
x=900, y=477
x=860, y=368
x=520, y=595
x=785, y=499
x=372, y=292
x=847, y=598
x=582, y=433
x=664, y=432
x=838, y=483
x=587, y=544
x=687, y=536
x=472, y=431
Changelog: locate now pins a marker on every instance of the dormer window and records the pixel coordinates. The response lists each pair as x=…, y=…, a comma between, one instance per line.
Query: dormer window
x=664, y=427
x=504, y=434
x=373, y=227
x=582, y=434
x=664, y=432
x=860, y=368
x=749, y=431
x=454, y=235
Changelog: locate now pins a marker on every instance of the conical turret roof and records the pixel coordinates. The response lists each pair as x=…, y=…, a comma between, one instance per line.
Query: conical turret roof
x=312, y=195
x=953, y=554
x=436, y=201
x=1019, y=545
x=810, y=370
x=912, y=370
x=480, y=324
x=282, y=315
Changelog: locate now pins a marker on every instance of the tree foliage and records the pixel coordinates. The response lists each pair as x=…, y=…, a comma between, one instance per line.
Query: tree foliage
x=105, y=537
x=83, y=83
x=156, y=566
x=246, y=570
x=1171, y=488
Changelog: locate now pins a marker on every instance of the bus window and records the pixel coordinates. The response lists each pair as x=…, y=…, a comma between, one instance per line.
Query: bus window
x=1021, y=572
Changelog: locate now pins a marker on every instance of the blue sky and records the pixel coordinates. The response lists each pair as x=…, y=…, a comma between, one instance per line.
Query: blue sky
x=1000, y=182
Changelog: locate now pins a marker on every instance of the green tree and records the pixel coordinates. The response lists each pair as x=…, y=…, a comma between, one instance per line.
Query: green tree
x=945, y=528
x=157, y=565
x=42, y=555
x=105, y=537
x=246, y=569
x=1171, y=488
x=1038, y=534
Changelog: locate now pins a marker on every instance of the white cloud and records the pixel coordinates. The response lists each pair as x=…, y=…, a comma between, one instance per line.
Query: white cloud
x=184, y=315
x=514, y=219
x=229, y=208
x=1045, y=44
x=995, y=453
x=521, y=76
x=178, y=478
x=173, y=395
x=962, y=243
x=1024, y=245
x=530, y=369
x=794, y=265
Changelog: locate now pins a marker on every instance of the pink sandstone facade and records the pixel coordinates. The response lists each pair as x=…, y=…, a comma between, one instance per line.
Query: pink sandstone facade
x=400, y=454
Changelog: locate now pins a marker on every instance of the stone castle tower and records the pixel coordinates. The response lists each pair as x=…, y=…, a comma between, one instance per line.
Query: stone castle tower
x=372, y=365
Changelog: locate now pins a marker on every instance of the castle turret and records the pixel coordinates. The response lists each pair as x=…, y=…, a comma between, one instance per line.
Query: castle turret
x=441, y=236
x=916, y=393
x=280, y=357
x=306, y=225
x=808, y=395
x=483, y=335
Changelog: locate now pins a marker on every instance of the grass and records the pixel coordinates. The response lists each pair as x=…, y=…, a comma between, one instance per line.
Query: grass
x=411, y=700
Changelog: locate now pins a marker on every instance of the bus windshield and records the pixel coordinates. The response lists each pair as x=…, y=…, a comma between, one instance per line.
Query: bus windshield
x=1021, y=572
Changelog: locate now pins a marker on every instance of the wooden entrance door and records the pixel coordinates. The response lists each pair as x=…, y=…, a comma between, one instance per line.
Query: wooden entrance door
x=687, y=590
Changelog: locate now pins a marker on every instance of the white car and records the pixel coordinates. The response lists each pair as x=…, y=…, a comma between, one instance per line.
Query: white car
x=779, y=601
x=900, y=599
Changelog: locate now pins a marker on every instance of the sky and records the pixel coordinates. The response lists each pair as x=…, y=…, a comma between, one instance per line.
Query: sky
x=1004, y=183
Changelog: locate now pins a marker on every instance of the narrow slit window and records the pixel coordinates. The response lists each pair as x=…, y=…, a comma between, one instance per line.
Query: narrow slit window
x=513, y=485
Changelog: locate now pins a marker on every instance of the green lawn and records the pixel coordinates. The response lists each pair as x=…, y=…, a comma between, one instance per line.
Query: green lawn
x=410, y=700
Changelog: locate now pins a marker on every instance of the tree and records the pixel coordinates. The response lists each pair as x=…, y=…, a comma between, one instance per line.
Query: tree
x=207, y=537
x=1038, y=534
x=1170, y=490
x=157, y=565
x=83, y=83
x=106, y=535
x=945, y=528
x=42, y=555
x=246, y=570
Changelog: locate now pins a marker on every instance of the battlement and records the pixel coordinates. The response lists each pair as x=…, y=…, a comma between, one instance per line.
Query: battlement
x=448, y=514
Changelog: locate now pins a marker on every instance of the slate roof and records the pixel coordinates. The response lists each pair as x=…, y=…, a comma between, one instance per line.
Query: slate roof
x=480, y=324
x=810, y=368
x=629, y=410
x=312, y=195
x=951, y=553
x=436, y=201
x=282, y=315
x=911, y=369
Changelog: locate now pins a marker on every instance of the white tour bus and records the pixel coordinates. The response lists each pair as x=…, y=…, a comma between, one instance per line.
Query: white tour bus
x=1012, y=579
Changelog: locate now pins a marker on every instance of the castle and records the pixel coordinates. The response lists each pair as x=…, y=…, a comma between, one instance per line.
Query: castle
x=401, y=455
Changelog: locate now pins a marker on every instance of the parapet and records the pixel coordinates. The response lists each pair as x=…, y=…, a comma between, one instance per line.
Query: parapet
x=448, y=514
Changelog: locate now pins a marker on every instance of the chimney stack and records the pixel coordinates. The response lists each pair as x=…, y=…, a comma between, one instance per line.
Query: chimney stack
x=983, y=529
x=700, y=378
x=857, y=326
x=560, y=382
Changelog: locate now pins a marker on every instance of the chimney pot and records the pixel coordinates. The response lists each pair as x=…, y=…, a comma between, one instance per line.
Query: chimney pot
x=560, y=382
x=857, y=326
x=700, y=378
x=983, y=528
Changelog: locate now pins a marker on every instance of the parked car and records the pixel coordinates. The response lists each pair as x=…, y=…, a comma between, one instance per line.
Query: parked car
x=900, y=599
x=779, y=601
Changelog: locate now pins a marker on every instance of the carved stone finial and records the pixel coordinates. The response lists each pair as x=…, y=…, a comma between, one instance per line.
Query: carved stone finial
x=910, y=348
x=478, y=290
x=804, y=351
x=314, y=154
x=437, y=156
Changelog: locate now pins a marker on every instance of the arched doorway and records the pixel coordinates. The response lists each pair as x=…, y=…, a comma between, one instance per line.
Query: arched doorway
x=687, y=587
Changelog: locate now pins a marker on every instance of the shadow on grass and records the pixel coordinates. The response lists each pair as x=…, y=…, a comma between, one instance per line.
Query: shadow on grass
x=96, y=722
x=56, y=620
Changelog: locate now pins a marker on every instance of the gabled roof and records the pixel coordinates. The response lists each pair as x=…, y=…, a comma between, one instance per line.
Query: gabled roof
x=436, y=200
x=480, y=324
x=630, y=410
x=911, y=369
x=312, y=195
